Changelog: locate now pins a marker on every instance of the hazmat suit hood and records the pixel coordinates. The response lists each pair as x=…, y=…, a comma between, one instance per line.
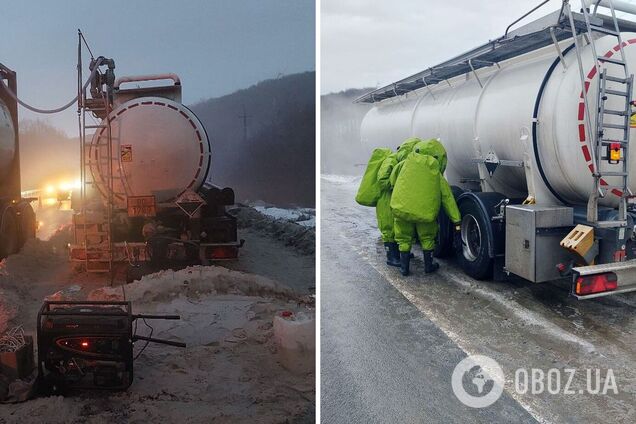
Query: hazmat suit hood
x=406, y=148
x=433, y=147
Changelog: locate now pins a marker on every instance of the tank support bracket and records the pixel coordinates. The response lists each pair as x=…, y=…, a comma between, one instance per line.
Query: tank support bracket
x=491, y=161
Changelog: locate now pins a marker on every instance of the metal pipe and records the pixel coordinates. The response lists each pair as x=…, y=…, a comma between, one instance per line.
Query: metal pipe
x=521, y=18
x=470, y=63
x=620, y=5
x=558, y=49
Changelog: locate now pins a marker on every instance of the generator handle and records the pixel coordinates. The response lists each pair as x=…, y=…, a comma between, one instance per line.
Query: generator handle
x=136, y=316
x=160, y=341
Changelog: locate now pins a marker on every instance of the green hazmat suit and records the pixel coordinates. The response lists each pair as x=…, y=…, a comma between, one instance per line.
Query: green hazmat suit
x=383, y=211
x=413, y=180
x=383, y=207
x=369, y=191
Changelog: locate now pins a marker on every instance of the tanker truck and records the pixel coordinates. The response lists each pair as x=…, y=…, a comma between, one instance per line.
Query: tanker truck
x=17, y=219
x=145, y=193
x=537, y=128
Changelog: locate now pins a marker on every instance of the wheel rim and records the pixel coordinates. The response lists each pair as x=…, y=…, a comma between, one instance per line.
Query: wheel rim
x=471, y=238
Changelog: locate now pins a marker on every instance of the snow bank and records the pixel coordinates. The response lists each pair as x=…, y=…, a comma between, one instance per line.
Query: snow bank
x=340, y=179
x=301, y=216
x=302, y=238
x=195, y=281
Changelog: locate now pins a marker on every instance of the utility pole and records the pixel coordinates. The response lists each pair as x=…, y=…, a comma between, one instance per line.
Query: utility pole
x=244, y=117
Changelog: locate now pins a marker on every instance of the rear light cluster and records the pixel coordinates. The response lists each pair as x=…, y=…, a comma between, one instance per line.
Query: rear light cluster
x=597, y=283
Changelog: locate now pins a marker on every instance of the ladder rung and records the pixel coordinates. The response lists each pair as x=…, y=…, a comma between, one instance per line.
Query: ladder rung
x=612, y=186
x=610, y=60
x=610, y=224
x=603, y=30
x=94, y=126
x=617, y=93
x=607, y=142
x=614, y=174
x=614, y=112
x=616, y=79
x=614, y=126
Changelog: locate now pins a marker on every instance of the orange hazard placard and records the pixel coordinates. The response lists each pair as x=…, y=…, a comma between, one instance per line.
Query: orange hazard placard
x=144, y=206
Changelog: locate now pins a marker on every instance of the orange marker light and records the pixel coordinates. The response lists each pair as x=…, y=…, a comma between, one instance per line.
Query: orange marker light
x=84, y=344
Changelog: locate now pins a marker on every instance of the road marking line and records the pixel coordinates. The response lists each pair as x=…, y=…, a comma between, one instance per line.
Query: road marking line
x=524, y=314
x=415, y=301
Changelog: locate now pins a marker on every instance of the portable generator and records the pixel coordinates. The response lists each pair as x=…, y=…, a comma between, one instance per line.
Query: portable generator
x=89, y=345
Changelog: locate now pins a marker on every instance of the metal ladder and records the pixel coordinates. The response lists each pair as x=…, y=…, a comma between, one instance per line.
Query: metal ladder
x=601, y=133
x=96, y=224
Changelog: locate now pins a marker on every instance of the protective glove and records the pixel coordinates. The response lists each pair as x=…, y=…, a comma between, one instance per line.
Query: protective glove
x=457, y=237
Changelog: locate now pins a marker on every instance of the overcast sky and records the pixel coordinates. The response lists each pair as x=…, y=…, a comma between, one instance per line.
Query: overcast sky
x=367, y=44
x=215, y=46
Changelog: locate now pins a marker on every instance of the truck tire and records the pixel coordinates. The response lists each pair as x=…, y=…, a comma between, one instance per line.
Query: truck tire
x=27, y=224
x=444, y=244
x=474, y=254
x=9, y=233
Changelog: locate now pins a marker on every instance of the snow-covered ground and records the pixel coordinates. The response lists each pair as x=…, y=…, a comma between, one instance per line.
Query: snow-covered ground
x=301, y=216
x=232, y=369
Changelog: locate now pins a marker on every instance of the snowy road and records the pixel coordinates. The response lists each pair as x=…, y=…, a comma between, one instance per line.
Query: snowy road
x=389, y=344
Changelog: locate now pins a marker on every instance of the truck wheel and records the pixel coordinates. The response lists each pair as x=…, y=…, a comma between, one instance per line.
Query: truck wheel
x=27, y=224
x=474, y=257
x=9, y=236
x=444, y=243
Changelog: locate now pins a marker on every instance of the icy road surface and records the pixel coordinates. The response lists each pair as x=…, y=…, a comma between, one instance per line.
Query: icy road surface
x=390, y=343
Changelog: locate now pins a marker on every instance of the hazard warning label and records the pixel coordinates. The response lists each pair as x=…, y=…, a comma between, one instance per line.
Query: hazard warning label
x=126, y=153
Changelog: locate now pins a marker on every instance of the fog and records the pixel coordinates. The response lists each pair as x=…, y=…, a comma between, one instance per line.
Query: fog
x=340, y=146
x=271, y=159
x=47, y=155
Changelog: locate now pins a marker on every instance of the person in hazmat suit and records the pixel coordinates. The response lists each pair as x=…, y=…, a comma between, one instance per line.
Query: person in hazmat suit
x=419, y=192
x=383, y=211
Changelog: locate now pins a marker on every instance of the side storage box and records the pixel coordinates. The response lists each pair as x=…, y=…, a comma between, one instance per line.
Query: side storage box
x=533, y=234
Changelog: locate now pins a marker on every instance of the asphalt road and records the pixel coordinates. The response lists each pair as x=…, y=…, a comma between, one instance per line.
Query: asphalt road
x=389, y=344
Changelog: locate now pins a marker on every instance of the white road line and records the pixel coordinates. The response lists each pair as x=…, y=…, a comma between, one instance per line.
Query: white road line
x=524, y=314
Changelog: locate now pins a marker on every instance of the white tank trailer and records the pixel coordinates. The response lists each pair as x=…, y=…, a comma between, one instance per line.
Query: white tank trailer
x=17, y=219
x=154, y=174
x=512, y=115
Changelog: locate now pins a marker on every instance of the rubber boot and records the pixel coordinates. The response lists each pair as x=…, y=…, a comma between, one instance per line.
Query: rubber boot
x=392, y=254
x=405, y=261
x=429, y=264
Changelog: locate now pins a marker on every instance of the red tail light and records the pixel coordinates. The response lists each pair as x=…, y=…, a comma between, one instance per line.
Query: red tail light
x=596, y=283
x=223, y=252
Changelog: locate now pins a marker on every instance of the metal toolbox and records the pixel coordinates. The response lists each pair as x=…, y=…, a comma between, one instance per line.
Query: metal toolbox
x=532, y=240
